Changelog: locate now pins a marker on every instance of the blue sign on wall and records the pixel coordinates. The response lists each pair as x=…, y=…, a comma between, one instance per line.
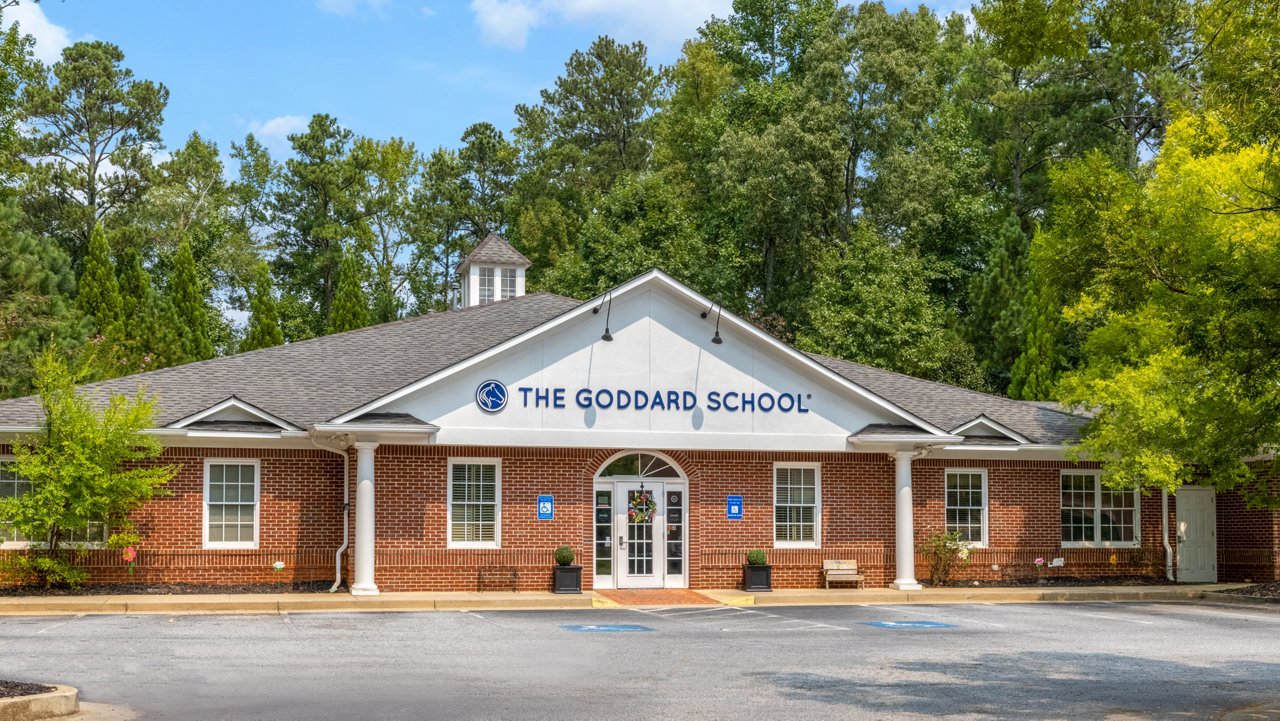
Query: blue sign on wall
x=733, y=508
x=546, y=508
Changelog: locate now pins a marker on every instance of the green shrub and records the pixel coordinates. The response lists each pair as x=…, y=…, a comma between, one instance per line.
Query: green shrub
x=564, y=556
x=757, y=557
x=944, y=551
x=42, y=570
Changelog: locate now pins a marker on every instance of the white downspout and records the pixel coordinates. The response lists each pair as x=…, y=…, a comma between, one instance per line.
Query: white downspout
x=1164, y=534
x=346, y=502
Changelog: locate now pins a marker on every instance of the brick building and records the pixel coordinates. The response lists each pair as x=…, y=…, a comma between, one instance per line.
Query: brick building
x=658, y=435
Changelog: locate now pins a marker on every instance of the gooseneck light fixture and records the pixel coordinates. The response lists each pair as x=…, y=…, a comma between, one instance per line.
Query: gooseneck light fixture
x=607, y=336
x=716, y=338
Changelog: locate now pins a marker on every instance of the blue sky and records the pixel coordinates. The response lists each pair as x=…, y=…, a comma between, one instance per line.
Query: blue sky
x=420, y=69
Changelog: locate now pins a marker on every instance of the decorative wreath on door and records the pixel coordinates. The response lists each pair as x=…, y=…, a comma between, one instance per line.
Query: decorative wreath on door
x=642, y=507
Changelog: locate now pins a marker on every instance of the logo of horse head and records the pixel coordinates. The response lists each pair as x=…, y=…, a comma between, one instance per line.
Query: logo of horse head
x=491, y=396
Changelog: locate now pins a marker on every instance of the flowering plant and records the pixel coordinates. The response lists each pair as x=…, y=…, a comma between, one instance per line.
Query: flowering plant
x=278, y=566
x=1039, y=563
x=642, y=507
x=130, y=556
x=944, y=550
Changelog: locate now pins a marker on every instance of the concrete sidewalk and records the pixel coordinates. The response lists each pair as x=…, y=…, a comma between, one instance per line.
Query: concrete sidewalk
x=342, y=602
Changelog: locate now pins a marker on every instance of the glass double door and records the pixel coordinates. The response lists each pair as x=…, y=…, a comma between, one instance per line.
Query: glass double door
x=640, y=535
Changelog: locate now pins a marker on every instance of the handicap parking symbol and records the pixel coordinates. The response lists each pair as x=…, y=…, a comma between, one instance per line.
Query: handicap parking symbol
x=908, y=624
x=546, y=508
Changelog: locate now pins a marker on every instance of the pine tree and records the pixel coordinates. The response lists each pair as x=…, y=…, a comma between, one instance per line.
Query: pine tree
x=997, y=310
x=264, y=319
x=36, y=284
x=150, y=339
x=1036, y=372
x=190, y=312
x=350, y=306
x=99, y=296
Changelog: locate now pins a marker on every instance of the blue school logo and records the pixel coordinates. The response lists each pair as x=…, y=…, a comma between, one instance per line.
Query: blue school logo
x=491, y=396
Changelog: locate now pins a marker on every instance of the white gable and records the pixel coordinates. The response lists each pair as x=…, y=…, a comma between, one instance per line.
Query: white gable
x=565, y=386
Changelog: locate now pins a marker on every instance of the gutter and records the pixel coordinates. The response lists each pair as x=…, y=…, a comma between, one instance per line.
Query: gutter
x=342, y=443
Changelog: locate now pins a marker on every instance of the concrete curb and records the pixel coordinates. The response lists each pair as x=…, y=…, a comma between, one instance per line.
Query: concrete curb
x=469, y=601
x=1242, y=600
x=62, y=701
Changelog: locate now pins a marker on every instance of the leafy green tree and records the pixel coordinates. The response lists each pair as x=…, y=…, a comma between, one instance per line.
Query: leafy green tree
x=1181, y=355
x=191, y=312
x=488, y=163
x=36, y=287
x=149, y=337
x=264, y=317
x=871, y=306
x=392, y=169
x=92, y=130
x=85, y=465
x=350, y=305
x=1034, y=375
x=99, y=292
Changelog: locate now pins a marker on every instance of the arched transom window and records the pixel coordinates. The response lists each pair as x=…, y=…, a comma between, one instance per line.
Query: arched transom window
x=640, y=465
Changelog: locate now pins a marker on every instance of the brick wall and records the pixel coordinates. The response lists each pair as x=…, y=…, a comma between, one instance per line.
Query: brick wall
x=301, y=520
x=300, y=523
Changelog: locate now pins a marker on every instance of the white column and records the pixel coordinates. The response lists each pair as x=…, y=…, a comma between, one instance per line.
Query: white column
x=363, y=584
x=905, y=526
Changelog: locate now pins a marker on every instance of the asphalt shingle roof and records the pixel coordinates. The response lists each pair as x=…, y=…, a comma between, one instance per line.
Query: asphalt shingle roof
x=316, y=380
x=949, y=407
x=495, y=249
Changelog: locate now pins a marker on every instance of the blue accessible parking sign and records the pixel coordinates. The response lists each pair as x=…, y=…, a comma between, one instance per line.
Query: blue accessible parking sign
x=546, y=508
x=733, y=509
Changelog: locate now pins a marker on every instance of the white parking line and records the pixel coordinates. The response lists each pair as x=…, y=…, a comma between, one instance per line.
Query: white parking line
x=59, y=624
x=935, y=615
x=1199, y=609
x=1113, y=618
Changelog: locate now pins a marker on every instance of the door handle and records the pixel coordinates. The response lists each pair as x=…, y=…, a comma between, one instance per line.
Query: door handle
x=621, y=542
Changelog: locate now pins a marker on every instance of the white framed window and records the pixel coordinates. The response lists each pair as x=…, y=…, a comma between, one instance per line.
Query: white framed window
x=1096, y=516
x=486, y=285
x=797, y=505
x=475, y=503
x=231, y=503
x=966, y=490
x=508, y=290
x=11, y=486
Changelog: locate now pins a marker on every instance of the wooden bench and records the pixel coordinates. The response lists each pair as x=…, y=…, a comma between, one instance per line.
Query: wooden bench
x=841, y=571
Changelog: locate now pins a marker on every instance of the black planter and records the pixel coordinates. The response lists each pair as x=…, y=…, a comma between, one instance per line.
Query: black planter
x=568, y=579
x=757, y=578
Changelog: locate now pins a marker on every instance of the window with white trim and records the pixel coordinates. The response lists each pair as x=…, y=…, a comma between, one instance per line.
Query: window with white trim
x=231, y=497
x=967, y=505
x=1093, y=515
x=796, y=505
x=486, y=285
x=508, y=286
x=475, y=503
x=11, y=486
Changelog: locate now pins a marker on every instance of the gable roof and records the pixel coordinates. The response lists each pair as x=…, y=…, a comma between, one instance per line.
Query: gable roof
x=314, y=380
x=348, y=374
x=496, y=250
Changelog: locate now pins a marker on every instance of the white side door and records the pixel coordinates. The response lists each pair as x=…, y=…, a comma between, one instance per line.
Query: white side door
x=1197, y=535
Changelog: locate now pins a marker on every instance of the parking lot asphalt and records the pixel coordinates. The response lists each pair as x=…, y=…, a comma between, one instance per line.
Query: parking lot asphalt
x=1115, y=661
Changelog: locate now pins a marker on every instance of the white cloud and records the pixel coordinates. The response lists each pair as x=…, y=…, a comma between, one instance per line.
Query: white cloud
x=660, y=24
x=274, y=133
x=50, y=38
x=353, y=7
x=505, y=23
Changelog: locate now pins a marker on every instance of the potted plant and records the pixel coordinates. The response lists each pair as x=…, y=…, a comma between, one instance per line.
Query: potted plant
x=757, y=574
x=568, y=577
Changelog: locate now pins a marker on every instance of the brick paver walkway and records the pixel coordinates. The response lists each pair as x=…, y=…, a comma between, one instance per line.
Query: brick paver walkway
x=657, y=597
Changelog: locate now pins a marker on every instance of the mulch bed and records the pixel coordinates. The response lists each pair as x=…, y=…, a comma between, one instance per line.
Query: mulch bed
x=1258, y=590
x=13, y=689
x=177, y=589
x=1060, y=581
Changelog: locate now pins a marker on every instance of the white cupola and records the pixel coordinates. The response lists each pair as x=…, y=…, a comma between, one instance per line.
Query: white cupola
x=493, y=271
